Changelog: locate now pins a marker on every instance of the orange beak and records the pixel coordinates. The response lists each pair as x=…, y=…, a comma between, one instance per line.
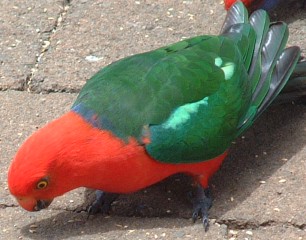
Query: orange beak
x=31, y=204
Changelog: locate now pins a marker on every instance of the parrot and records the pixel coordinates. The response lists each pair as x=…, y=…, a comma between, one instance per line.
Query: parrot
x=143, y=118
x=257, y=4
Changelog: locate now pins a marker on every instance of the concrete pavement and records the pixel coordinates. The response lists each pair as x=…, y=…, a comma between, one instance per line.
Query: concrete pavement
x=48, y=49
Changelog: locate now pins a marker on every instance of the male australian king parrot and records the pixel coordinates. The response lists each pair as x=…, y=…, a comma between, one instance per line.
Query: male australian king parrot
x=172, y=110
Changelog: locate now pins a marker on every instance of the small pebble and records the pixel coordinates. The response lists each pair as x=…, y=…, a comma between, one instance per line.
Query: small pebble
x=92, y=58
x=282, y=181
x=179, y=234
x=249, y=232
x=233, y=232
x=223, y=229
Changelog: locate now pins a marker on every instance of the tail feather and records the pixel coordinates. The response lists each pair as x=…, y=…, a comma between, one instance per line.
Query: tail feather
x=281, y=73
x=236, y=26
x=268, y=63
x=273, y=47
x=236, y=14
x=295, y=89
x=260, y=22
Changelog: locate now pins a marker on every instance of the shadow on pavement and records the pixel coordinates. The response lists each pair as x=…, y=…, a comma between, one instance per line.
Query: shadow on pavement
x=289, y=12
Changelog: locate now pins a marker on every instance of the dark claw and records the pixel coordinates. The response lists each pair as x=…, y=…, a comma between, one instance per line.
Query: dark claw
x=205, y=223
x=102, y=204
x=195, y=216
x=201, y=204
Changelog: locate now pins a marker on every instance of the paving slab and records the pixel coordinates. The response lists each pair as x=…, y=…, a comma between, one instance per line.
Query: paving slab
x=260, y=188
x=24, y=28
x=49, y=46
x=94, y=34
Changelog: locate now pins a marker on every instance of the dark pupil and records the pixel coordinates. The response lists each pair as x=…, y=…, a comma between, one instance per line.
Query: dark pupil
x=41, y=185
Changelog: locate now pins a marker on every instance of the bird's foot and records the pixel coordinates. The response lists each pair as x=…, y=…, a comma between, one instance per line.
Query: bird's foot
x=102, y=204
x=202, y=202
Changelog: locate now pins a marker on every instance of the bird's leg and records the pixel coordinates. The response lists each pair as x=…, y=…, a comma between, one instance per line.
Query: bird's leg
x=202, y=202
x=102, y=203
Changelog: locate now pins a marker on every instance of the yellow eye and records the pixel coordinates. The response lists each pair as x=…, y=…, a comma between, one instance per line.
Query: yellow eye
x=42, y=184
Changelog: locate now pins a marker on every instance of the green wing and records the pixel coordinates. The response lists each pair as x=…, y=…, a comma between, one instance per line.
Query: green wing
x=146, y=88
x=191, y=98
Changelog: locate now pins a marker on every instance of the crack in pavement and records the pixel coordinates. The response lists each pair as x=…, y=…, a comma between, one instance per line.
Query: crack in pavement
x=246, y=224
x=46, y=45
x=5, y=205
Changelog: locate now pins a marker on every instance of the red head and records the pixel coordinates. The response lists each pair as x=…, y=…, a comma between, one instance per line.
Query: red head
x=57, y=159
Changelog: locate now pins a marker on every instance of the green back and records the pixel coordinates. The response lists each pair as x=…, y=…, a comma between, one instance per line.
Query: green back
x=191, y=98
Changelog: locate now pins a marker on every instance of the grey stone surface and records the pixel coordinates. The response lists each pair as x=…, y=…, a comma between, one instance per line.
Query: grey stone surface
x=25, y=29
x=94, y=34
x=258, y=194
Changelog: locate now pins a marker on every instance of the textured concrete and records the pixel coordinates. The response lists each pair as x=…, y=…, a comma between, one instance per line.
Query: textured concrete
x=25, y=29
x=55, y=46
